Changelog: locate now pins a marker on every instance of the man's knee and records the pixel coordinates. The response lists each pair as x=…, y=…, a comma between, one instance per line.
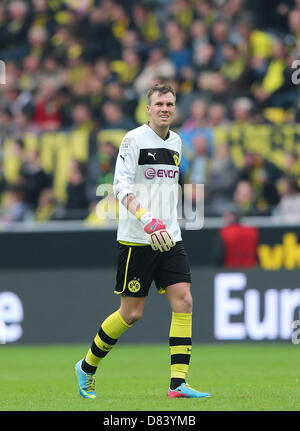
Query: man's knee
x=187, y=301
x=131, y=309
x=180, y=298
x=133, y=316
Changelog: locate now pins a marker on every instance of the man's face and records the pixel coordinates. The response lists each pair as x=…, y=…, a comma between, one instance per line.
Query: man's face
x=161, y=109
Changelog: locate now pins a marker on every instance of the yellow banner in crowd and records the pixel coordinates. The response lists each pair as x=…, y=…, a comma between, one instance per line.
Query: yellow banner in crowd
x=58, y=148
x=266, y=139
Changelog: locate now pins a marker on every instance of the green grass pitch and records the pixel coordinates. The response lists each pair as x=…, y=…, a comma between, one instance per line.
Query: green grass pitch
x=240, y=377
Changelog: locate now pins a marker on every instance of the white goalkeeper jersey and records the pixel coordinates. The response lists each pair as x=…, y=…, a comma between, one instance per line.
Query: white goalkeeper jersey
x=148, y=167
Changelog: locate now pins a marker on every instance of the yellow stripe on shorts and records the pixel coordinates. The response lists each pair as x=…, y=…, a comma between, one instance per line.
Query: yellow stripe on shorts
x=126, y=271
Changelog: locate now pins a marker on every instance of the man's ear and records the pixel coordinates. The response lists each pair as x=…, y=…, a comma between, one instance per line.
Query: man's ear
x=148, y=108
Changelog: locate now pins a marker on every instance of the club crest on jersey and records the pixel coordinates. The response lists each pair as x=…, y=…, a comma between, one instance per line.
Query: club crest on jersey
x=134, y=286
x=176, y=159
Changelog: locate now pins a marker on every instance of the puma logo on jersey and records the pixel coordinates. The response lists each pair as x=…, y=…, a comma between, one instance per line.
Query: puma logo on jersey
x=123, y=157
x=152, y=155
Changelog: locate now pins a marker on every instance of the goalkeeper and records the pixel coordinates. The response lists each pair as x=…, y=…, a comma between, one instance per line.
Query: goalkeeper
x=150, y=247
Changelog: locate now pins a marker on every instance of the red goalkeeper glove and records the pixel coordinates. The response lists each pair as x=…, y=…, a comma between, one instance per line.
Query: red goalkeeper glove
x=156, y=231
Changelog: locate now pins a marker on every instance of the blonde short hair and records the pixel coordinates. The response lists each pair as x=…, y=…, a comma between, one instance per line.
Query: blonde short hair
x=161, y=89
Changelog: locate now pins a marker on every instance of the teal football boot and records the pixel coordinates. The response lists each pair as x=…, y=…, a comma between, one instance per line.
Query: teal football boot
x=86, y=382
x=185, y=391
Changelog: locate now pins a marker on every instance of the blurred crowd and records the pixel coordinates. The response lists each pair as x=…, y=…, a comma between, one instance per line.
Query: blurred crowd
x=87, y=65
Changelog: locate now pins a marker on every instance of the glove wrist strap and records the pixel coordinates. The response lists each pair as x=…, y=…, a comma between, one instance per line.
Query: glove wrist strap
x=144, y=216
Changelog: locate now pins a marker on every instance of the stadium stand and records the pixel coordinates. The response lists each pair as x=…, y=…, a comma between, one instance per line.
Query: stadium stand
x=76, y=77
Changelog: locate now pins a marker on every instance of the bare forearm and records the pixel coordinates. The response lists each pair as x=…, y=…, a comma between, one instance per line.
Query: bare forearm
x=131, y=203
x=155, y=229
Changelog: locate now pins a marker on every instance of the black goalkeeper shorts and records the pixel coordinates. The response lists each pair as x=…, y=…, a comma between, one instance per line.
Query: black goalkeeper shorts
x=139, y=266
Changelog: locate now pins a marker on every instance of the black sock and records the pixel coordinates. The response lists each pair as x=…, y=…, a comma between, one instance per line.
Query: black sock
x=88, y=368
x=175, y=382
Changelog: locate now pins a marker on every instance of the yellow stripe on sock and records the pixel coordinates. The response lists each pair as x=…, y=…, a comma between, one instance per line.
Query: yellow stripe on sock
x=179, y=371
x=91, y=359
x=114, y=326
x=102, y=345
x=182, y=350
x=181, y=325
